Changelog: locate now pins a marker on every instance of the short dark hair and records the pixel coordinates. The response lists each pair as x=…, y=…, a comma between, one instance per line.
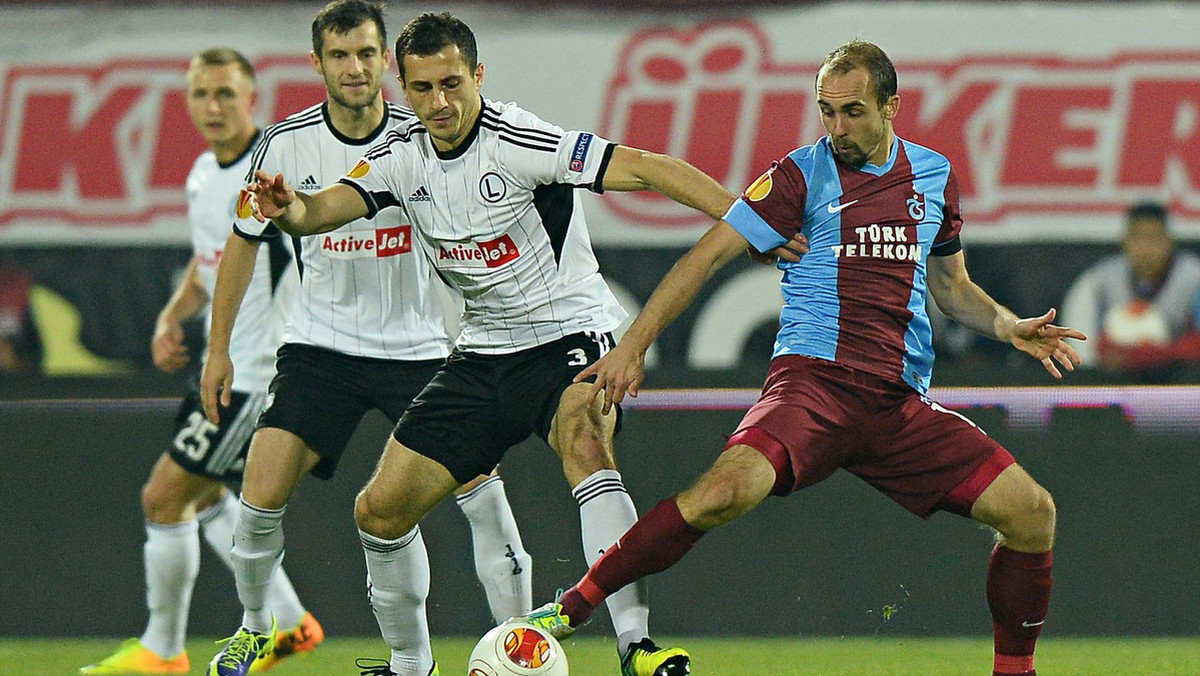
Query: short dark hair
x=223, y=56
x=343, y=16
x=431, y=32
x=866, y=55
x=1147, y=209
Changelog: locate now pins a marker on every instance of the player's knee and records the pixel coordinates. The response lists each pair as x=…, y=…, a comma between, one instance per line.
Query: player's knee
x=160, y=504
x=1043, y=518
x=373, y=517
x=582, y=437
x=1031, y=524
x=152, y=502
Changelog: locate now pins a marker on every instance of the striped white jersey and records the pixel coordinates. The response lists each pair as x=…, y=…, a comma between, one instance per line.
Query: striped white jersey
x=364, y=290
x=503, y=221
x=212, y=192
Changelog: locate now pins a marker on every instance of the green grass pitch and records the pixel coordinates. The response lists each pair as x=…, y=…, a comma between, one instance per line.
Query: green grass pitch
x=593, y=656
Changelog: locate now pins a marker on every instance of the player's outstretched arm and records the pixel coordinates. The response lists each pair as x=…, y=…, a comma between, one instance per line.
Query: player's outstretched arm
x=966, y=303
x=234, y=273
x=621, y=371
x=299, y=214
x=167, y=348
x=633, y=169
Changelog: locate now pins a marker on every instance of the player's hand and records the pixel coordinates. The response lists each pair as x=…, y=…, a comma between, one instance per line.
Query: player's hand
x=1045, y=342
x=270, y=196
x=216, y=384
x=167, y=348
x=617, y=373
x=791, y=251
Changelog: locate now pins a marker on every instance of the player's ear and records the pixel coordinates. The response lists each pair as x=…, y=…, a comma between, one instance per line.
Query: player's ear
x=316, y=63
x=891, y=107
x=479, y=75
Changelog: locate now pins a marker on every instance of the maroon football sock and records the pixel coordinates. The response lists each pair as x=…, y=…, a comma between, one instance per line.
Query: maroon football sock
x=1018, y=593
x=658, y=539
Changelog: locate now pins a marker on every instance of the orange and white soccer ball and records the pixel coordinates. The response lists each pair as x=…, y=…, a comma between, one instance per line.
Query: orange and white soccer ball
x=517, y=649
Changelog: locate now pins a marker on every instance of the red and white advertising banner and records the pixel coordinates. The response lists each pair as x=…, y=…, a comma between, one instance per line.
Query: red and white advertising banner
x=1055, y=117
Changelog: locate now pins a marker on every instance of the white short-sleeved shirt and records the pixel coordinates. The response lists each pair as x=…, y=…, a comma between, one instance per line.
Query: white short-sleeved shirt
x=503, y=221
x=212, y=193
x=365, y=290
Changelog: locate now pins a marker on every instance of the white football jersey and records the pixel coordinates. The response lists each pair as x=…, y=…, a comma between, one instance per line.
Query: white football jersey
x=503, y=221
x=212, y=193
x=364, y=290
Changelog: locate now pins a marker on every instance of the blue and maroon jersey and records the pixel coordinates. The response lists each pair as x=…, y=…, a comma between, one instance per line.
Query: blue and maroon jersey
x=858, y=296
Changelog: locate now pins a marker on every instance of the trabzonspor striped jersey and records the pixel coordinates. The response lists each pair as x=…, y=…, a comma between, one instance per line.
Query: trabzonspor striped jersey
x=504, y=223
x=364, y=289
x=858, y=296
x=212, y=193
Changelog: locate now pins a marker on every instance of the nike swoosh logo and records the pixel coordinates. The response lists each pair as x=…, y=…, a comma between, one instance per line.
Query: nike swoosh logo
x=1033, y=624
x=834, y=210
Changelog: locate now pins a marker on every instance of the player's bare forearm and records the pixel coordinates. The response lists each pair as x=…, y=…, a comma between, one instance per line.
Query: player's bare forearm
x=620, y=371
x=167, y=348
x=188, y=299
x=322, y=211
x=971, y=307
x=234, y=273
x=963, y=301
x=300, y=219
x=679, y=287
x=633, y=169
x=276, y=201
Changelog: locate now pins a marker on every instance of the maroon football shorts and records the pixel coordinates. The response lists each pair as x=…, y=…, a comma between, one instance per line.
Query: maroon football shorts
x=815, y=416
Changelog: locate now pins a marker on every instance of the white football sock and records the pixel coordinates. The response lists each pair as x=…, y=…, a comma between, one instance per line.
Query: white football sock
x=501, y=562
x=257, y=554
x=606, y=512
x=172, y=559
x=217, y=523
x=397, y=586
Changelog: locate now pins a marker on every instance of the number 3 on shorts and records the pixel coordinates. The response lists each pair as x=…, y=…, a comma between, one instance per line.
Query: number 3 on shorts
x=577, y=357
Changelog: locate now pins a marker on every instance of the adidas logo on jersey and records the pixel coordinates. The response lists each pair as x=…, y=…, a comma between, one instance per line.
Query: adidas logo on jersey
x=310, y=183
x=420, y=195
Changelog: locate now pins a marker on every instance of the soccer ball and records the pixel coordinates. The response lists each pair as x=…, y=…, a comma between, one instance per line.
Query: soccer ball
x=517, y=649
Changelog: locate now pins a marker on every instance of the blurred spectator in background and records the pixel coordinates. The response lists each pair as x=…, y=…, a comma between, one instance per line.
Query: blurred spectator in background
x=1139, y=306
x=20, y=341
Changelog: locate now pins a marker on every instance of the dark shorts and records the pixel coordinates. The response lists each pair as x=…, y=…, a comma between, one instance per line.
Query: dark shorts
x=321, y=396
x=480, y=405
x=815, y=416
x=215, y=451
